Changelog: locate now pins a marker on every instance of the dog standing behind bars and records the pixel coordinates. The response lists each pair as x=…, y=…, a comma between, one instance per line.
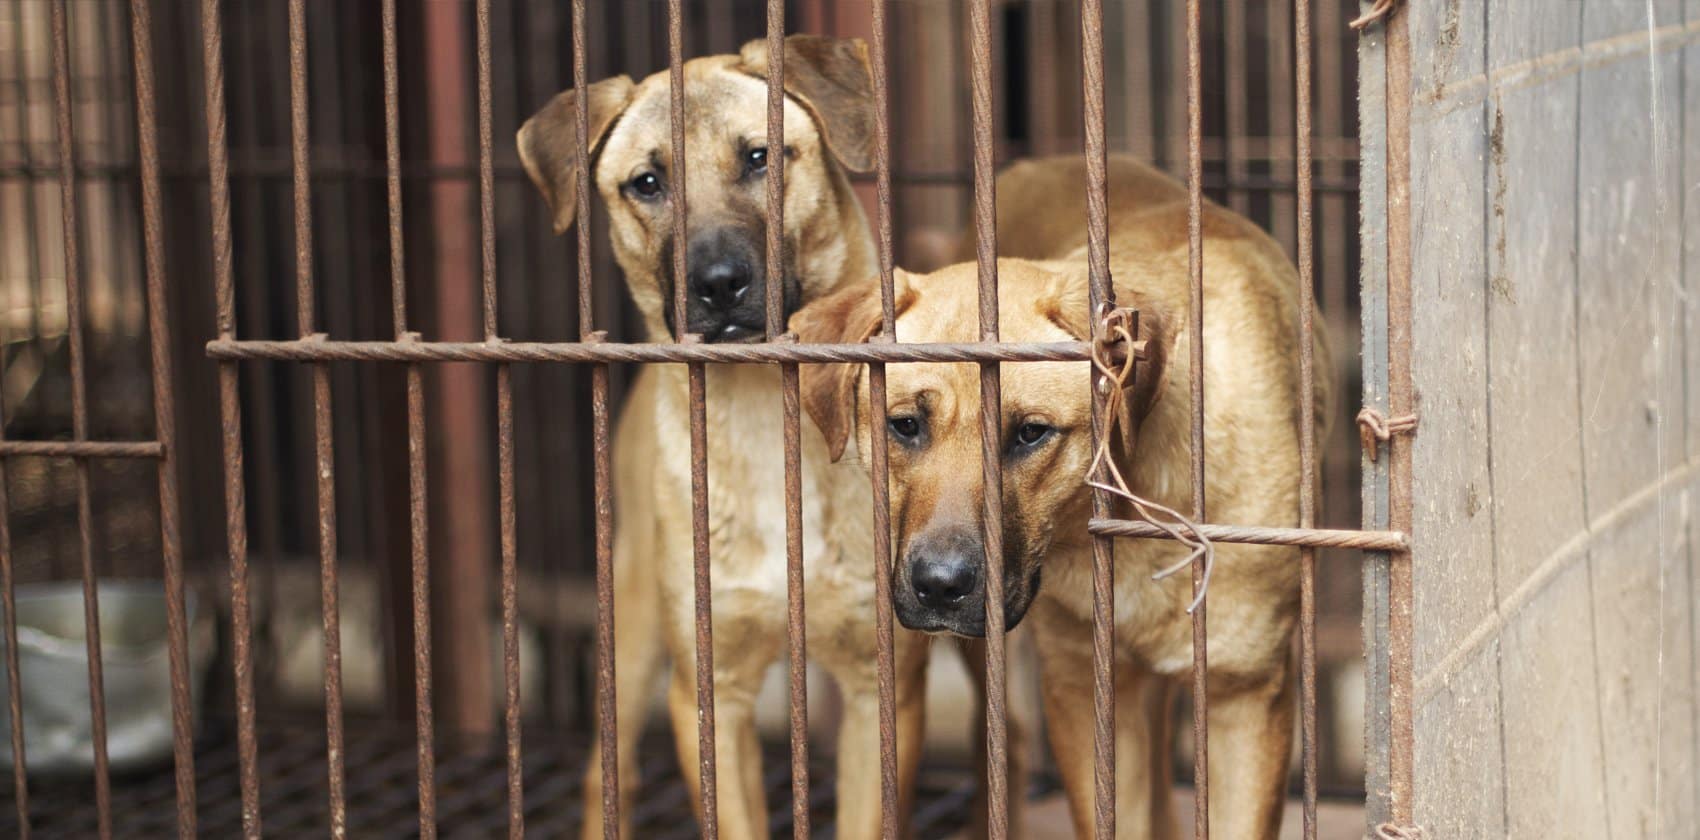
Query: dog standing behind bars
x=1251, y=443
x=828, y=127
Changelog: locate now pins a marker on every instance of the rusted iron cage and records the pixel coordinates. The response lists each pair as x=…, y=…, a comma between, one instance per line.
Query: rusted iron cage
x=223, y=175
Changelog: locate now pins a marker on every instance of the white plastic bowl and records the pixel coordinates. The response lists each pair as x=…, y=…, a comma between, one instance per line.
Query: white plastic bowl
x=54, y=675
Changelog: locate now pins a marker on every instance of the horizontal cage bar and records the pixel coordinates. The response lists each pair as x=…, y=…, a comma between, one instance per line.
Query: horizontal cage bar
x=1259, y=535
x=82, y=448
x=316, y=350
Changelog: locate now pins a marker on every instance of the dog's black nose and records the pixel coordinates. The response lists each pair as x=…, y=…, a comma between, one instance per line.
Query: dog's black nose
x=944, y=579
x=721, y=284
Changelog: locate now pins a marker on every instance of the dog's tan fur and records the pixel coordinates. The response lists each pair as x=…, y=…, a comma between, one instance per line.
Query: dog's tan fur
x=828, y=126
x=1251, y=444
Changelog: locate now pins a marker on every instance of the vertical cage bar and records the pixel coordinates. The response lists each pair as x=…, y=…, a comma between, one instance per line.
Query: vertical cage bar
x=884, y=621
x=79, y=406
x=14, y=688
x=1102, y=295
x=607, y=734
x=1307, y=409
x=676, y=178
x=230, y=415
x=323, y=439
x=796, y=628
x=424, y=729
x=1400, y=402
x=1277, y=105
x=165, y=428
x=1195, y=267
x=991, y=417
x=1236, y=100
x=509, y=525
x=32, y=241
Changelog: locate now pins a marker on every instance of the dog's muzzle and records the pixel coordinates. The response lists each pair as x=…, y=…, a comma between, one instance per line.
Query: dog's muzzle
x=726, y=291
x=941, y=587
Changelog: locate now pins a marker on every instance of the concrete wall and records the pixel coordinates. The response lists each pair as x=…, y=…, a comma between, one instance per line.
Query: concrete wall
x=1555, y=224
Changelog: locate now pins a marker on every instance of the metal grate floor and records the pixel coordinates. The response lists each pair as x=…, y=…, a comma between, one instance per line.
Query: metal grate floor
x=382, y=791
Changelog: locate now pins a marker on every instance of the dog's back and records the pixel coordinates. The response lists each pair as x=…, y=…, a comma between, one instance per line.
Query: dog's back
x=1251, y=305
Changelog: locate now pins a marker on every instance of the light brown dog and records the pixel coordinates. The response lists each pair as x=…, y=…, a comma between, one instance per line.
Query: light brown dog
x=828, y=127
x=1251, y=446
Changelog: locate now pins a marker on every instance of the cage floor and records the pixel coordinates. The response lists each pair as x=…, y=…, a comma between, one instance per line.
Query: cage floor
x=382, y=791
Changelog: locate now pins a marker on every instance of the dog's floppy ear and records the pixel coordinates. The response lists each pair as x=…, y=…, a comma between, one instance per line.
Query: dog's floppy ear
x=548, y=142
x=850, y=315
x=830, y=77
x=1066, y=304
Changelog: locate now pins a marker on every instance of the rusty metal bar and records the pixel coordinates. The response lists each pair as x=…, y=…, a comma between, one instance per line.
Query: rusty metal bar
x=796, y=635
x=8, y=604
x=1195, y=269
x=510, y=599
x=1236, y=110
x=509, y=525
x=1400, y=402
x=676, y=179
x=29, y=173
x=607, y=733
x=230, y=413
x=1307, y=412
x=463, y=544
x=81, y=448
x=1259, y=535
x=675, y=172
x=1102, y=296
x=885, y=627
x=416, y=466
x=323, y=440
x=775, y=179
x=1278, y=106
x=262, y=168
x=684, y=352
x=165, y=429
x=991, y=416
x=79, y=409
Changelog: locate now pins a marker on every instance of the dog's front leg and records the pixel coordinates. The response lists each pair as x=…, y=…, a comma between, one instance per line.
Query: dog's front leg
x=1251, y=739
x=1143, y=808
x=741, y=801
x=973, y=652
x=859, y=801
x=638, y=649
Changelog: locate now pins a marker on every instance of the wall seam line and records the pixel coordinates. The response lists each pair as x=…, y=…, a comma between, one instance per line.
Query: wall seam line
x=1582, y=423
x=1489, y=168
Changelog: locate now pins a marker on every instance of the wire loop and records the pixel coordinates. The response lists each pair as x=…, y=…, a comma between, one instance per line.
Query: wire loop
x=1115, y=353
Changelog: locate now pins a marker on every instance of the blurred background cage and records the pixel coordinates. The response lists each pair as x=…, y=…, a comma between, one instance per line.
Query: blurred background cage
x=1249, y=161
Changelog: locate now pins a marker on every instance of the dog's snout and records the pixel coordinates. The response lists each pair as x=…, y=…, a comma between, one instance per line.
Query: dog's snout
x=942, y=584
x=721, y=283
x=725, y=286
x=944, y=579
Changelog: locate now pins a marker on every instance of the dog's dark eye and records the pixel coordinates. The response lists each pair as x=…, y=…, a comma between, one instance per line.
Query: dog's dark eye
x=755, y=161
x=1031, y=434
x=905, y=428
x=646, y=185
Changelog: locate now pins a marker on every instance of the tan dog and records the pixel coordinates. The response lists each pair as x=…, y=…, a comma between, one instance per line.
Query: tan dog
x=1251, y=405
x=828, y=127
